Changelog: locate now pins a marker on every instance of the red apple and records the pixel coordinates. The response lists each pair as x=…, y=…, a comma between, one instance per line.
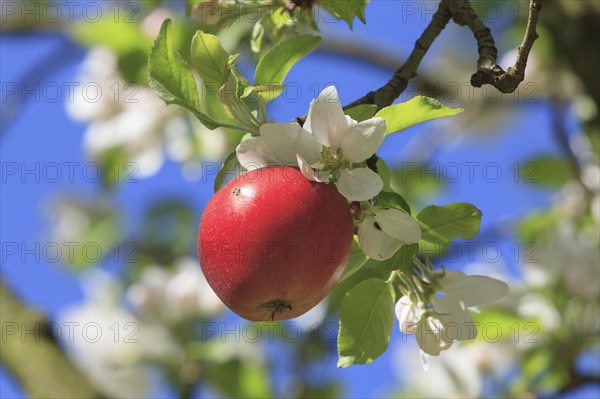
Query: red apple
x=272, y=244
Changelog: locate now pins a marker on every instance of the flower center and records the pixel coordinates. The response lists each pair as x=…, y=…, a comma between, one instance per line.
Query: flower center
x=332, y=161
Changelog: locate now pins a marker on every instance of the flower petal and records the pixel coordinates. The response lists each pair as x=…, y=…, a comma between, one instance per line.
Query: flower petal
x=326, y=119
x=452, y=277
x=278, y=144
x=359, y=184
x=374, y=242
x=431, y=335
x=362, y=140
x=459, y=324
x=424, y=359
x=475, y=290
x=305, y=169
x=408, y=315
x=288, y=139
x=398, y=224
x=255, y=153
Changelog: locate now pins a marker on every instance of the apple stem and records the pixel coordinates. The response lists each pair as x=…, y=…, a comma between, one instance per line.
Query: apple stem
x=276, y=306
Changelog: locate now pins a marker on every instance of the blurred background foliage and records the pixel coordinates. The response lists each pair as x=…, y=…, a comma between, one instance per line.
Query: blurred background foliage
x=170, y=323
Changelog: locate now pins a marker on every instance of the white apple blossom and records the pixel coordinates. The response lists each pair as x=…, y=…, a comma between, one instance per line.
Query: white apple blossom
x=382, y=232
x=109, y=343
x=94, y=98
x=553, y=262
x=444, y=317
x=188, y=294
x=133, y=120
x=467, y=371
x=329, y=147
x=173, y=296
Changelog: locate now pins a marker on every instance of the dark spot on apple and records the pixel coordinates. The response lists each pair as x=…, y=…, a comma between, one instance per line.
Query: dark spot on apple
x=377, y=226
x=236, y=191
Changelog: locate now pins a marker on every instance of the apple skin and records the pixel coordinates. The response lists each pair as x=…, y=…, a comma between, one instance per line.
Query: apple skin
x=272, y=244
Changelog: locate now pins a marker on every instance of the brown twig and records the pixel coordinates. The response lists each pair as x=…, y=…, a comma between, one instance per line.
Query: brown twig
x=508, y=82
x=386, y=94
x=488, y=71
x=463, y=14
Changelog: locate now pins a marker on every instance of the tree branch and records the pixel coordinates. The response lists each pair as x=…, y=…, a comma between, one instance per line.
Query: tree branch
x=386, y=94
x=32, y=355
x=488, y=71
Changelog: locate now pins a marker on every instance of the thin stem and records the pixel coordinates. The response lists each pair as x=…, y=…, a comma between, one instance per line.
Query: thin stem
x=236, y=127
x=244, y=116
x=263, y=112
x=393, y=275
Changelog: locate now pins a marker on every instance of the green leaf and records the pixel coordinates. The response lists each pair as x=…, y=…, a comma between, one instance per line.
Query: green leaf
x=276, y=63
x=417, y=110
x=366, y=321
x=171, y=78
x=243, y=88
x=328, y=391
x=547, y=171
x=268, y=93
x=357, y=260
x=232, y=103
x=385, y=173
x=103, y=230
x=209, y=58
x=228, y=164
x=228, y=100
x=361, y=112
x=239, y=379
x=122, y=38
x=433, y=251
x=502, y=324
x=387, y=199
x=535, y=226
x=256, y=39
x=214, y=13
x=402, y=259
x=189, y=5
x=442, y=224
x=415, y=181
x=346, y=10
